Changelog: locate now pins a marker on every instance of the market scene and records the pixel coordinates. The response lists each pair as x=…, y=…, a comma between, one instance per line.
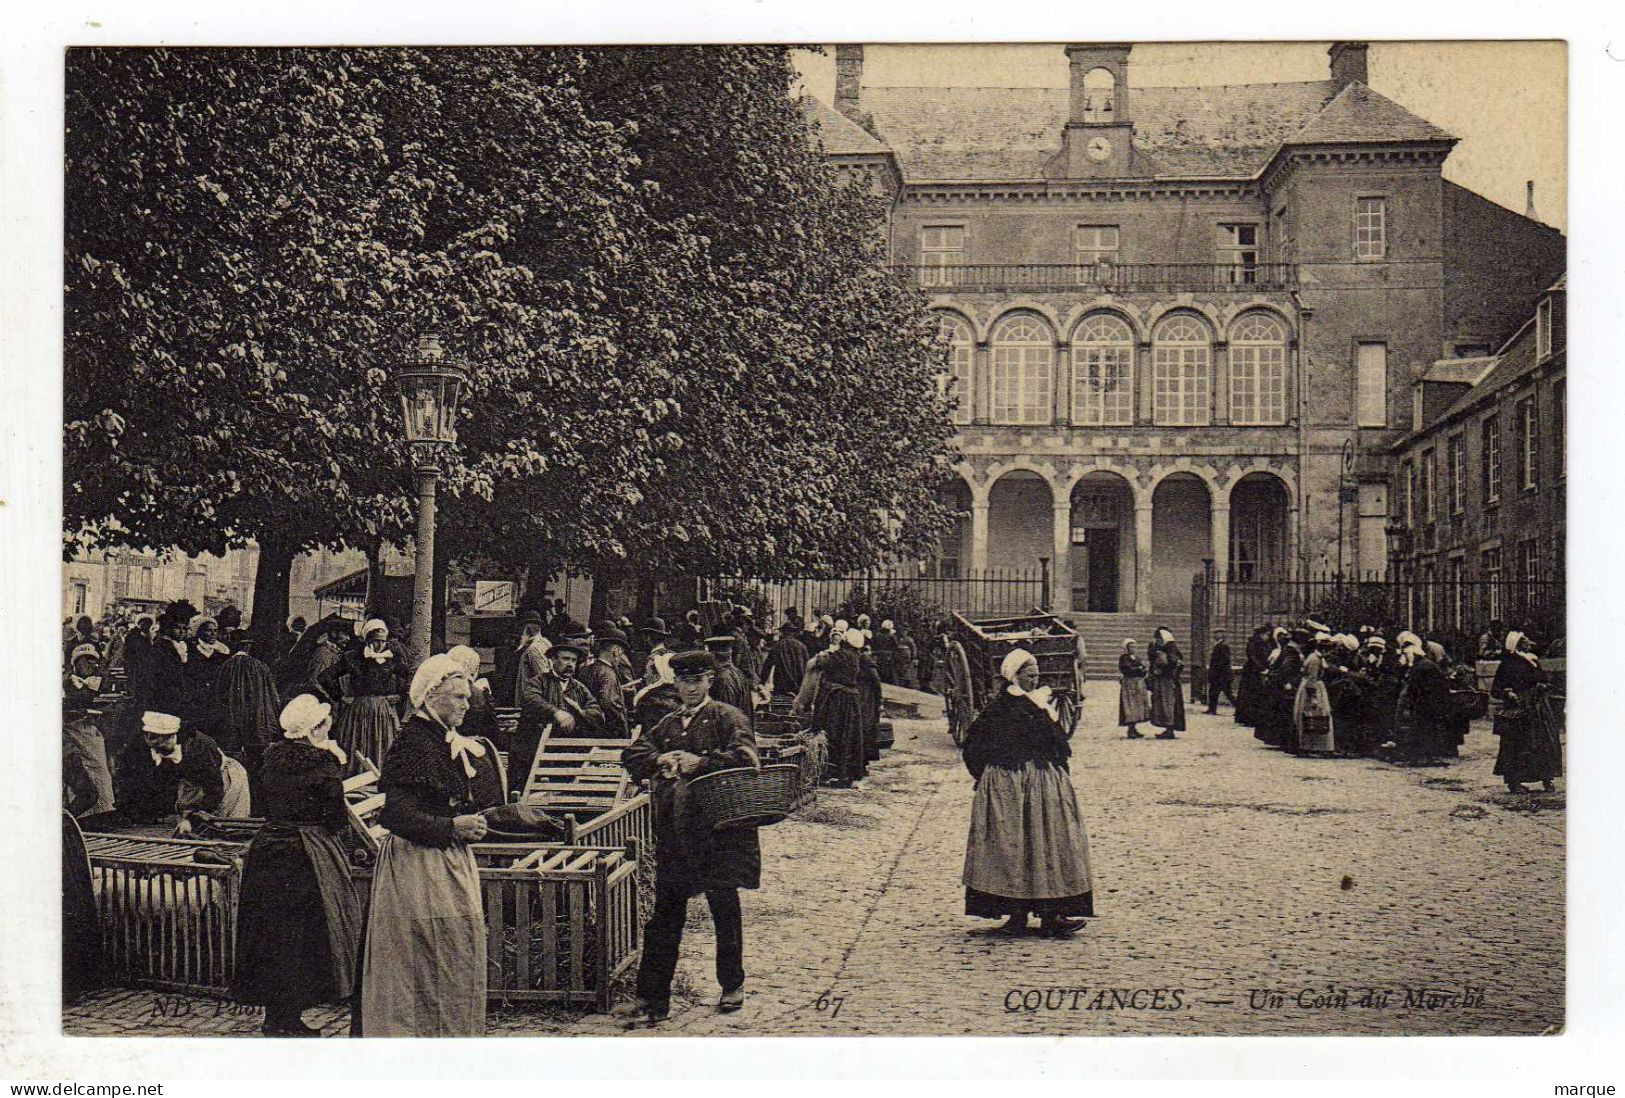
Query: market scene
x=1069, y=554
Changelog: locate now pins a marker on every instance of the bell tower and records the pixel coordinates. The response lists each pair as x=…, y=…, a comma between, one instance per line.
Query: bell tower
x=1099, y=138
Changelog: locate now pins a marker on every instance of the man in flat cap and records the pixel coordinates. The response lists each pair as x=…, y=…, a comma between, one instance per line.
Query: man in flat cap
x=702, y=736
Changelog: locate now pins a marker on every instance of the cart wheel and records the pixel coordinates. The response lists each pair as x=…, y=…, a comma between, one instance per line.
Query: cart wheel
x=1068, y=710
x=960, y=695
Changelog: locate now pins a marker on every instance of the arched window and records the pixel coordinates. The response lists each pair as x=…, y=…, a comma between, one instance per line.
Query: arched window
x=959, y=380
x=1023, y=371
x=1181, y=368
x=1103, y=372
x=1257, y=370
x=1099, y=93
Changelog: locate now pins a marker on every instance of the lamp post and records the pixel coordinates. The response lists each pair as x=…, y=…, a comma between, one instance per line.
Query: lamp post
x=431, y=388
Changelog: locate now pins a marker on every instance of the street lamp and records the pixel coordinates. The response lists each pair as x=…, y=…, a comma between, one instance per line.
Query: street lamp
x=431, y=388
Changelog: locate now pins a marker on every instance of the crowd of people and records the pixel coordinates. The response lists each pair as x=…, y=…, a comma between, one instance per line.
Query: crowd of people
x=1310, y=690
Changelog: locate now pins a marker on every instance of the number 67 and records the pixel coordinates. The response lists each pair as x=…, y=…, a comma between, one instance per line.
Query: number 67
x=830, y=1003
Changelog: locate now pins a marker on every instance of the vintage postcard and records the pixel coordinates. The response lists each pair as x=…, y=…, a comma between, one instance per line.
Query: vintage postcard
x=864, y=540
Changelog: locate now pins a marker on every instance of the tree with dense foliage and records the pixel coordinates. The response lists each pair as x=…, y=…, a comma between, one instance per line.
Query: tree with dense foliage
x=686, y=352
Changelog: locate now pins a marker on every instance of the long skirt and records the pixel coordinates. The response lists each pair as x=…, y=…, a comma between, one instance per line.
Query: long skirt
x=840, y=717
x=423, y=974
x=1132, y=704
x=1249, y=685
x=1167, y=703
x=1028, y=849
x=1312, y=717
x=1530, y=751
x=83, y=740
x=82, y=967
x=298, y=921
x=367, y=727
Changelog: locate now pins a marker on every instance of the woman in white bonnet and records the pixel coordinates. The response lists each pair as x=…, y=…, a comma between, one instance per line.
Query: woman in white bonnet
x=298, y=919
x=374, y=679
x=424, y=959
x=1028, y=851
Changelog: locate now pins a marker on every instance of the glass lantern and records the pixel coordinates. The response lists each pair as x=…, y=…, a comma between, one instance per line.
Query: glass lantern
x=431, y=388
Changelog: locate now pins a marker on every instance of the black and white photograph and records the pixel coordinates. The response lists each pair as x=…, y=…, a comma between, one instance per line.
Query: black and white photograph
x=775, y=539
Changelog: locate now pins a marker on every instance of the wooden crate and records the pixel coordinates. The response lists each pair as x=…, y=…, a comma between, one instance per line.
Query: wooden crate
x=577, y=775
x=167, y=921
x=561, y=921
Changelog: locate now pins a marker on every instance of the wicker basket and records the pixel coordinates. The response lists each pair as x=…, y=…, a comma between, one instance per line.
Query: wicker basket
x=746, y=796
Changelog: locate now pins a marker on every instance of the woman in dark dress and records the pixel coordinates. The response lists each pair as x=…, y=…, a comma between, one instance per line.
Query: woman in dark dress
x=424, y=956
x=298, y=921
x=1131, y=698
x=1028, y=851
x=1250, y=684
x=840, y=711
x=1530, y=751
x=372, y=716
x=1167, y=694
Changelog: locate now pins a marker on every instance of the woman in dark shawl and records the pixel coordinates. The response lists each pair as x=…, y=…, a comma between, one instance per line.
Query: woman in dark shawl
x=248, y=714
x=839, y=712
x=1131, y=698
x=1250, y=684
x=1167, y=695
x=374, y=680
x=299, y=920
x=1028, y=851
x=1530, y=751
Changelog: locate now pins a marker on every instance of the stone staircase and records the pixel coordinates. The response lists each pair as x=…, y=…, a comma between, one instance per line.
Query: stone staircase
x=1103, y=636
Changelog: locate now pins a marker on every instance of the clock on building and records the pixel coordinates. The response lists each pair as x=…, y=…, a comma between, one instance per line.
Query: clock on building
x=1098, y=148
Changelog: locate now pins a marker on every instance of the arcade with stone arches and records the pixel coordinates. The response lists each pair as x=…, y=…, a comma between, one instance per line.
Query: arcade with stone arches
x=1119, y=538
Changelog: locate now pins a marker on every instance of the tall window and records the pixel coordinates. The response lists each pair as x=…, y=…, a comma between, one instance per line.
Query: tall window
x=1456, y=457
x=1407, y=494
x=1560, y=398
x=1023, y=371
x=1238, y=253
x=1430, y=484
x=1257, y=370
x=1093, y=244
x=1543, y=330
x=1490, y=569
x=942, y=248
x=1528, y=565
x=1181, y=365
x=1457, y=577
x=1103, y=372
x=1490, y=457
x=1528, y=445
x=1283, y=235
x=1371, y=384
x=1430, y=592
x=1370, y=228
x=959, y=381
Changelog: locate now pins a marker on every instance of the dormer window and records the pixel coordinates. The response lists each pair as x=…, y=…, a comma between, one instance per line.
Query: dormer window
x=1099, y=96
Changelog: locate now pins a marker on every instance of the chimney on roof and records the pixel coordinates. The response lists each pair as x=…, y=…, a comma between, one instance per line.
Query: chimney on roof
x=1348, y=63
x=849, y=81
x=1529, y=201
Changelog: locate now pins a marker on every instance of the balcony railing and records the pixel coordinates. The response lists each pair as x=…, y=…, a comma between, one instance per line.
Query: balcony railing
x=1105, y=277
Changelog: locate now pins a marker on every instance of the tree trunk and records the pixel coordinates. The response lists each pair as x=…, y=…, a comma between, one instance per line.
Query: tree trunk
x=271, y=576
x=375, y=578
x=646, y=599
x=604, y=581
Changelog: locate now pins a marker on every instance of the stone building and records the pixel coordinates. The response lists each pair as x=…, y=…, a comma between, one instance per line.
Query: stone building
x=1185, y=322
x=1479, y=515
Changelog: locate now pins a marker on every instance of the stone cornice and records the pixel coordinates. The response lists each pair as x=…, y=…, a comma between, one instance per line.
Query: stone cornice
x=1052, y=192
x=1427, y=154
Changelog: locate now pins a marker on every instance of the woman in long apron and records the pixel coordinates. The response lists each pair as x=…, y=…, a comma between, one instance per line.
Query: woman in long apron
x=371, y=716
x=423, y=963
x=1028, y=851
x=1312, y=705
x=1167, y=693
x=298, y=921
x=1132, y=705
x=1530, y=750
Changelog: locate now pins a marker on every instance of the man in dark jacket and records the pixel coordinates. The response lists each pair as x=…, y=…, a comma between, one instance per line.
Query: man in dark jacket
x=1218, y=673
x=151, y=768
x=702, y=736
x=557, y=700
x=605, y=677
x=786, y=662
x=730, y=686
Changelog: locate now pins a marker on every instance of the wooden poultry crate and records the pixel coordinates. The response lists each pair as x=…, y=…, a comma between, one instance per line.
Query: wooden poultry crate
x=561, y=921
x=167, y=921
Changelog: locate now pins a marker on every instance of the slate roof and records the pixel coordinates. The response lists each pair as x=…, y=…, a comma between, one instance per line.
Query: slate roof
x=1516, y=361
x=1359, y=114
x=1012, y=133
x=841, y=136
x=1460, y=371
x=1006, y=134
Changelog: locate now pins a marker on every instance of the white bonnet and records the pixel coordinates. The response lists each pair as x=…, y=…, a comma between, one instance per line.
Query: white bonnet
x=430, y=674
x=1014, y=662
x=301, y=716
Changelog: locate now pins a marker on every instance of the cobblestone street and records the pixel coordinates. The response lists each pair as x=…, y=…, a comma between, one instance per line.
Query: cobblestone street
x=1252, y=887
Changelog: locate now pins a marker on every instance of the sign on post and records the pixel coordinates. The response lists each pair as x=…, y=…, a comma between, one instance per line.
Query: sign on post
x=494, y=596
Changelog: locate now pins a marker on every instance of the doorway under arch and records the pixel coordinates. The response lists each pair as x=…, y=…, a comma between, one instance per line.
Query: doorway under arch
x=1259, y=516
x=1102, y=540
x=1181, y=538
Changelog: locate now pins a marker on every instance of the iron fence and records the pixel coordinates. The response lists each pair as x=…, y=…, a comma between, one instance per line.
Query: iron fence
x=1454, y=612
x=1113, y=277
x=984, y=592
